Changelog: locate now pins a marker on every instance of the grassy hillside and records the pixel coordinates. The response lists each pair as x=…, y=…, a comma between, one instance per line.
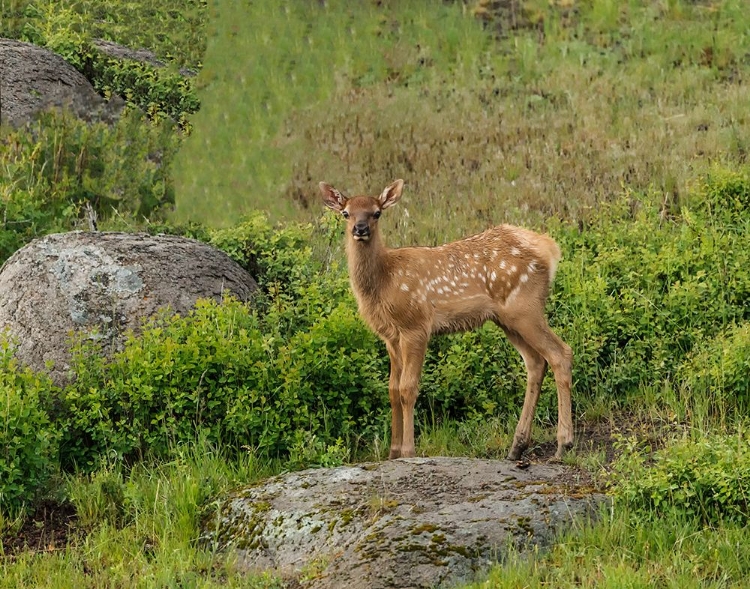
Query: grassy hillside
x=550, y=119
x=619, y=127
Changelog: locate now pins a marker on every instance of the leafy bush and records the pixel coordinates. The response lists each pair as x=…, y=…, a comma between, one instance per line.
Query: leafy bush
x=215, y=373
x=158, y=91
x=280, y=255
x=28, y=441
x=636, y=293
x=707, y=480
x=308, y=451
x=59, y=165
x=724, y=196
x=470, y=375
x=719, y=370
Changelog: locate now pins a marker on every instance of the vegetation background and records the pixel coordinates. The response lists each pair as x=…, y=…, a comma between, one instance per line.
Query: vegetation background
x=621, y=128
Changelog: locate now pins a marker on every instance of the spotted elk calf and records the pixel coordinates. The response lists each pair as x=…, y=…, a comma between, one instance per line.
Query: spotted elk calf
x=408, y=294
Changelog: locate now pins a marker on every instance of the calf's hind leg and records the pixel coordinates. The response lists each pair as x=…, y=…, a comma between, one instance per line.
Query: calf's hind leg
x=536, y=366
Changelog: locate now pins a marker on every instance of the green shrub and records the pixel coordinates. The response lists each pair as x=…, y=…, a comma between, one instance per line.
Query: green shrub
x=281, y=255
x=28, y=441
x=214, y=373
x=472, y=374
x=718, y=372
x=706, y=480
x=69, y=30
x=59, y=165
x=172, y=381
x=635, y=293
x=159, y=92
x=308, y=451
x=724, y=196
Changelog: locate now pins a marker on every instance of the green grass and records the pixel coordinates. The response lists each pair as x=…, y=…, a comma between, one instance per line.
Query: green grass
x=618, y=553
x=138, y=528
x=292, y=58
x=638, y=94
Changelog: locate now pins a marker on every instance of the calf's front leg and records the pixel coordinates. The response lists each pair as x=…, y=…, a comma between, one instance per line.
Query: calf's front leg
x=397, y=418
x=413, y=349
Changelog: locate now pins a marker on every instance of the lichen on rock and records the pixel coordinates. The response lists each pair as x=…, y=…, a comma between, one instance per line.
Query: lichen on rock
x=421, y=522
x=101, y=285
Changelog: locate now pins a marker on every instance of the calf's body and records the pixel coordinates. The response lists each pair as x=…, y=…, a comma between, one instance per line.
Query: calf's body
x=408, y=294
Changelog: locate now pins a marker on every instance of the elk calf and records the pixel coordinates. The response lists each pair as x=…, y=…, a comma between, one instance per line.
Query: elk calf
x=408, y=294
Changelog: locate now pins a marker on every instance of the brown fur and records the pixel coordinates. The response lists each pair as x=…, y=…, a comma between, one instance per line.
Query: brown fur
x=408, y=294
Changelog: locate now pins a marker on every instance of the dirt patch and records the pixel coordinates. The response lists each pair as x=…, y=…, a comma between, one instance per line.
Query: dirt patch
x=49, y=528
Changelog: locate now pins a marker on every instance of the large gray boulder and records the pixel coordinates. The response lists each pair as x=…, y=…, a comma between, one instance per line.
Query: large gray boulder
x=408, y=523
x=102, y=284
x=33, y=79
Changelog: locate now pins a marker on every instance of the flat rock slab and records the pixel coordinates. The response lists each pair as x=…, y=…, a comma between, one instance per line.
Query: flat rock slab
x=408, y=523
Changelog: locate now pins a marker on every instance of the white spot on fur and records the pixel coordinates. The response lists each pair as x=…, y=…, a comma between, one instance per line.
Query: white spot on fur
x=405, y=287
x=493, y=276
x=512, y=270
x=514, y=251
x=525, y=278
x=502, y=264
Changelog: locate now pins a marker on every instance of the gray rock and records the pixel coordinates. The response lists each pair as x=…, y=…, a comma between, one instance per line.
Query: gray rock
x=103, y=284
x=34, y=79
x=408, y=523
x=117, y=51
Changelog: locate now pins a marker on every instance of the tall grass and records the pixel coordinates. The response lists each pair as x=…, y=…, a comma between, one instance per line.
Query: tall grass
x=289, y=57
x=538, y=123
x=617, y=552
x=138, y=528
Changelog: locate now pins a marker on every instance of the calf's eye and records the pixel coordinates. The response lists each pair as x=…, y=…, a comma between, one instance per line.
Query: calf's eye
x=376, y=214
x=345, y=214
